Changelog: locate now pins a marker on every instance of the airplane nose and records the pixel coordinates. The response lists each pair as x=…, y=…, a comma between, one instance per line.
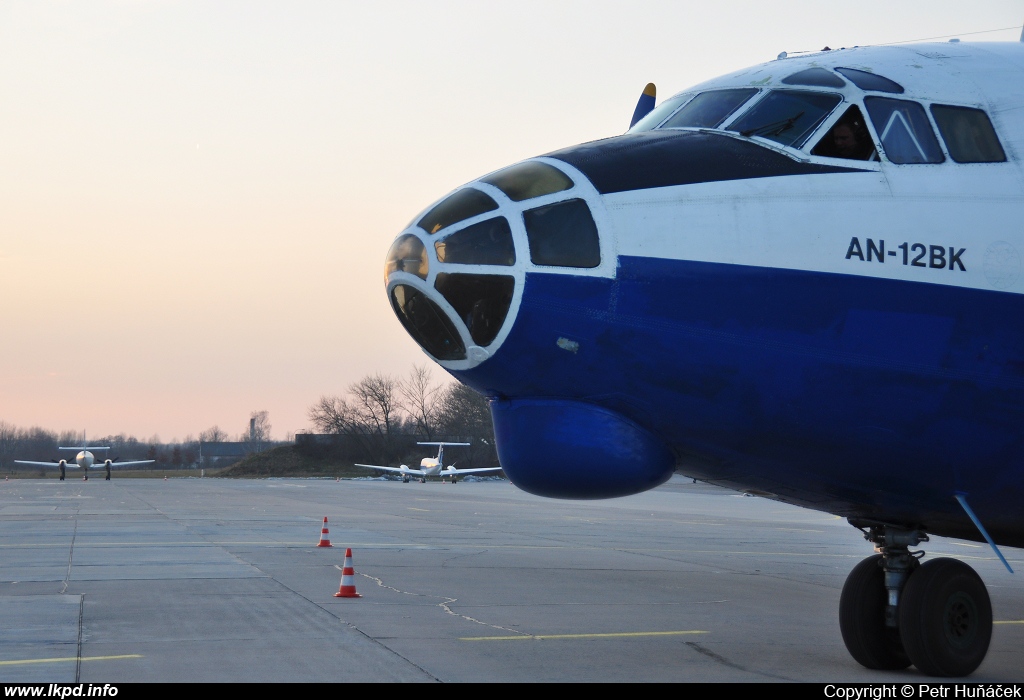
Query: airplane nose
x=455, y=276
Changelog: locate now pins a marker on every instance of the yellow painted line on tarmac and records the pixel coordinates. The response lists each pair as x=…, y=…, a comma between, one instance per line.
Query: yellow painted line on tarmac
x=422, y=510
x=1008, y=622
x=602, y=635
x=70, y=658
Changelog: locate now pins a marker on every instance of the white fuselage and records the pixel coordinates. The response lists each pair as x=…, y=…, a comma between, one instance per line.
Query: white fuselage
x=430, y=466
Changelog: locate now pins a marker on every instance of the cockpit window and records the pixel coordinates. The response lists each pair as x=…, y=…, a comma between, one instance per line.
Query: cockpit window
x=903, y=128
x=659, y=113
x=529, y=180
x=563, y=235
x=427, y=323
x=848, y=138
x=462, y=205
x=968, y=134
x=407, y=254
x=870, y=81
x=486, y=243
x=788, y=117
x=818, y=77
x=482, y=301
x=709, y=110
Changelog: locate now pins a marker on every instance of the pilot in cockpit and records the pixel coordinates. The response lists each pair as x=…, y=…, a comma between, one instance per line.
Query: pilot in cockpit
x=849, y=138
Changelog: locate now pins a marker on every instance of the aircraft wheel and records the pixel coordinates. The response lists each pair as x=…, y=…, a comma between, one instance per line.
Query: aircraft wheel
x=423, y=481
x=405, y=480
x=946, y=618
x=862, y=603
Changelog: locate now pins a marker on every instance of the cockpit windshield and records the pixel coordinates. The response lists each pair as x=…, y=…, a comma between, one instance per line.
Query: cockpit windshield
x=709, y=110
x=788, y=117
x=659, y=113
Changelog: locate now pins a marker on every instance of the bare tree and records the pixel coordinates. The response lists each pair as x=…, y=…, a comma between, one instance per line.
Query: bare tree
x=213, y=434
x=259, y=430
x=332, y=415
x=376, y=404
x=70, y=438
x=467, y=414
x=421, y=400
x=38, y=443
x=10, y=442
x=371, y=415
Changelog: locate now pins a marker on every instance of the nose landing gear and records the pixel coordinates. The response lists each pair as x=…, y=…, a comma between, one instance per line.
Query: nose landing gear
x=895, y=611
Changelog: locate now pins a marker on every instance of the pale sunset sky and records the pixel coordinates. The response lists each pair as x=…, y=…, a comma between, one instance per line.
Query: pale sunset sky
x=196, y=196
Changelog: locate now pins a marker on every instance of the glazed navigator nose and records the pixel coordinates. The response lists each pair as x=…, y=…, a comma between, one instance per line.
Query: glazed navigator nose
x=455, y=276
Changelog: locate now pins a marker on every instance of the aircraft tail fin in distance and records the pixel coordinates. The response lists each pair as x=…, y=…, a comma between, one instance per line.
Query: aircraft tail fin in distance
x=442, y=445
x=645, y=104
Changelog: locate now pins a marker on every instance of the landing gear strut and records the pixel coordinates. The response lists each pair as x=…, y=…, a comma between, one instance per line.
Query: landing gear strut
x=895, y=611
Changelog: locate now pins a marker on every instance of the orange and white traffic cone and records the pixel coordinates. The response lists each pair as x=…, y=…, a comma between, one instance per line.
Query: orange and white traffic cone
x=348, y=579
x=325, y=539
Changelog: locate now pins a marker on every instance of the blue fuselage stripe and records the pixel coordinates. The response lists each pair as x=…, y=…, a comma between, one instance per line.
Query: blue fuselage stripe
x=856, y=395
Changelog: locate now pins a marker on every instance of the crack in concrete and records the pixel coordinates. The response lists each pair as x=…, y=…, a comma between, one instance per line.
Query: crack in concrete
x=445, y=604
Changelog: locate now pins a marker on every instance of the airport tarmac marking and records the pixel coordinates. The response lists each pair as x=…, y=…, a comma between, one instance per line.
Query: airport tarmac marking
x=596, y=635
x=70, y=658
x=1008, y=622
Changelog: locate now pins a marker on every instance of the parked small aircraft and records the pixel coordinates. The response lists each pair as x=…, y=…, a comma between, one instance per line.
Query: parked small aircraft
x=433, y=466
x=803, y=280
x=85, y=460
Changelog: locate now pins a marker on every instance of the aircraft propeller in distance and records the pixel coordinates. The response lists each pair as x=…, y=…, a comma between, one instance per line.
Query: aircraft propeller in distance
x=433, y=466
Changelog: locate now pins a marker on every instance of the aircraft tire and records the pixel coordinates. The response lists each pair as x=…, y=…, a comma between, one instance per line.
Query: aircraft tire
x=862, y=603
x=946, y=618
